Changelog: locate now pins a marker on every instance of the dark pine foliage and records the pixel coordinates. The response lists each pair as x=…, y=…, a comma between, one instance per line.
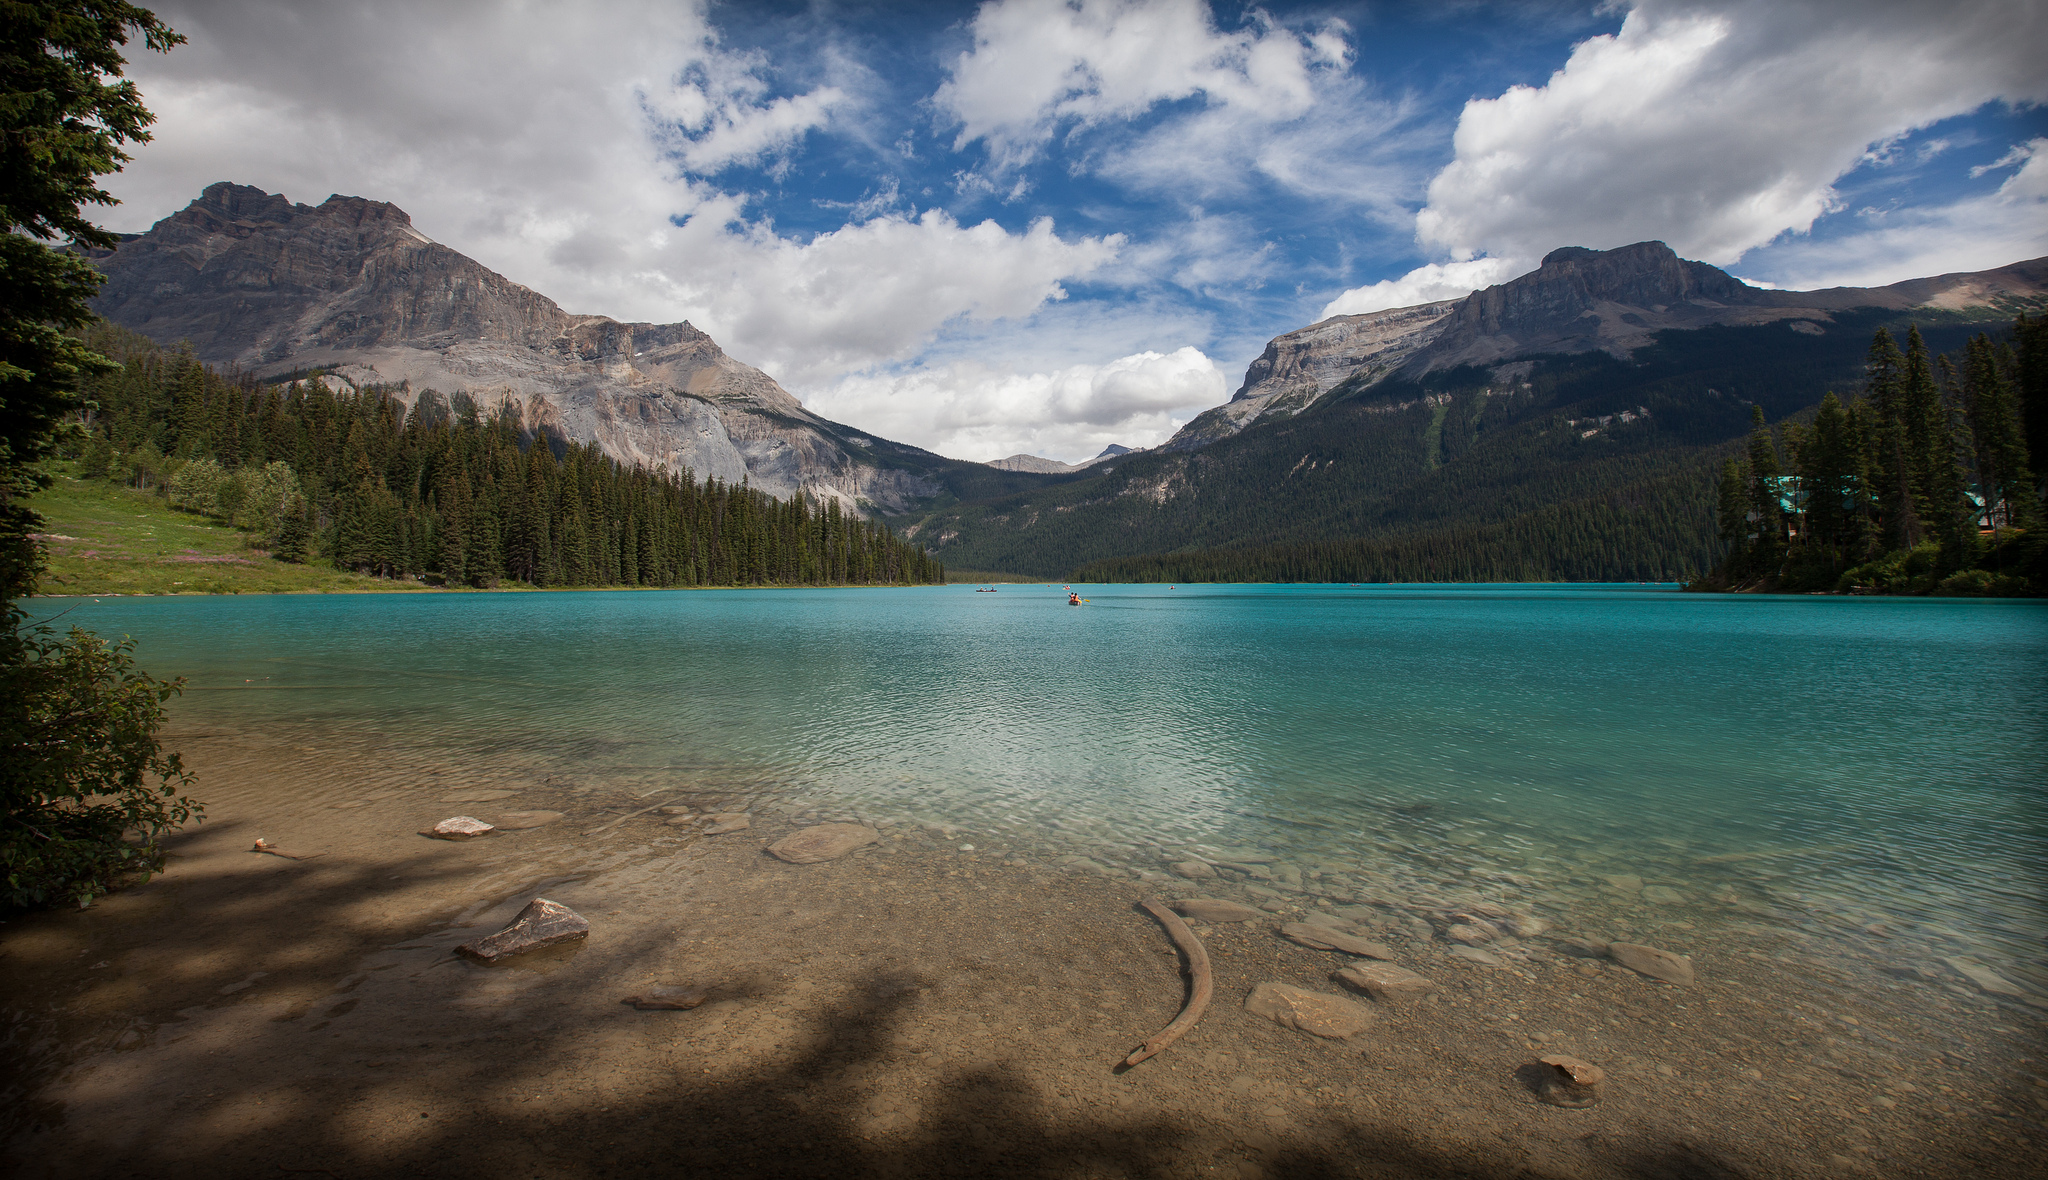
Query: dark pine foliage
x=447, y=492
x=1924, y=484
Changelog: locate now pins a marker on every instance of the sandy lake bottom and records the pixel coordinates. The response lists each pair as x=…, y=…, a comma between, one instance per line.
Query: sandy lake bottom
x=915, y=1008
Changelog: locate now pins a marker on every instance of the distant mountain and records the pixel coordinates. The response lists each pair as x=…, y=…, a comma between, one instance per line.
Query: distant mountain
x=1555, y=426
x=1044, y=466
x=1578, y=300
x=252, y=280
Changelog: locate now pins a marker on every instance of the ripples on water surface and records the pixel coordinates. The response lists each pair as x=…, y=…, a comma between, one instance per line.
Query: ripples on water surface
x=1845, y=761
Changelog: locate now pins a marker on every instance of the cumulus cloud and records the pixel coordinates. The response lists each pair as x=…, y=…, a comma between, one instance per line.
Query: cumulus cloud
x=1976, y=233
x=1424, y=284
x=1037, y=67
x=1718, y=126
x=972, y=410
x=572, y=155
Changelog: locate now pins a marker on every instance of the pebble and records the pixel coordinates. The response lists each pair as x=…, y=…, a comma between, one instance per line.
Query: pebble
x=461, y=827
x=1193, y=870
x=1473, y=954
x=1385, y=982
x=719, y=825
x=515, y=820
x=1567, y=1081
x=1319, y=1013
x=1654, y=962
x=1469, y=933
x=1214, y=909
x=542, y=923
x=823, y=842
x=1322, y=938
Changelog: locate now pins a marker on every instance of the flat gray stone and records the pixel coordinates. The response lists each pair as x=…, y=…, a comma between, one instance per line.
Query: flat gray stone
x=1655, y=962
x=1322, y=938
x=1472, y=954
x=542, y=923
x=1246, y=855
x=1326, y=919
x=1663, y=895
x=461, y=827
x=516, y=820
x=1386, y=983
x=1193, y=870
x=719, y=825
x=823, y=842
x=1319, y=1013
x=1991, y=982
x=1214, y=909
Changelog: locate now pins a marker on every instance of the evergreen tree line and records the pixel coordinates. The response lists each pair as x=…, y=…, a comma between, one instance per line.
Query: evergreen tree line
x=1624, y=536
x=449, y=493
x=1923, y=484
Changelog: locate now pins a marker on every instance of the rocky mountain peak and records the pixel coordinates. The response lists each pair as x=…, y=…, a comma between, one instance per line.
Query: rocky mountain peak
x=252, y=280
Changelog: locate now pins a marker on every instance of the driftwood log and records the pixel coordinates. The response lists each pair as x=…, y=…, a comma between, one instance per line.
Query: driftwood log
x=1198, y=975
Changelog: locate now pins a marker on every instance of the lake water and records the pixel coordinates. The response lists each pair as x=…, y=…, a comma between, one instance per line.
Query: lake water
x=1866, y=775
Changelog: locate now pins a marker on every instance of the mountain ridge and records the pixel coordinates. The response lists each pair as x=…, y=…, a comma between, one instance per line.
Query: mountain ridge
x=351, y=287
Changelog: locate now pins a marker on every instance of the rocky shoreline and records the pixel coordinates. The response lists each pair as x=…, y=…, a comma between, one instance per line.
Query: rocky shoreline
x=933, y=1000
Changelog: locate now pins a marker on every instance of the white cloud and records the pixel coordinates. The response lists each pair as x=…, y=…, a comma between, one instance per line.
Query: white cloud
x=971, y=410
x=1424, y=284
x=1718, y=126
x=1037, y=66
x=1976, y=233
x=560, y=152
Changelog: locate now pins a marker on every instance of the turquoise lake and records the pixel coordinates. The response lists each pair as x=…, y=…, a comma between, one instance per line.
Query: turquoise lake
x=1827, y=762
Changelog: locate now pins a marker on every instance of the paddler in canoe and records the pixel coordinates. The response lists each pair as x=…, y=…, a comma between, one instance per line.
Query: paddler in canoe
x=1073, y=598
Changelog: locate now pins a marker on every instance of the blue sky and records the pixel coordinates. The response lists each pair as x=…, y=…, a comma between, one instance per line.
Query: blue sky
x=1047, y=225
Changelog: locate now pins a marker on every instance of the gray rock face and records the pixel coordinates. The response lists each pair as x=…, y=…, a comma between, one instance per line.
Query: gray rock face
x=542, y=923
x=1213, y=909
x=1654, y=962
x=823, y=842
x=1386, y=983
x=1578, y=300
x=1319, y=1013
x=1297, y=369
x=255, y=281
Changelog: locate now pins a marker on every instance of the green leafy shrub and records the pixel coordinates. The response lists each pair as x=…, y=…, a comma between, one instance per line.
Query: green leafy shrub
x=87, y=789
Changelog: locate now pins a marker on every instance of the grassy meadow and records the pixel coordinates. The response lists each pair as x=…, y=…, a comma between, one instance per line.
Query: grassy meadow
x=102, y=538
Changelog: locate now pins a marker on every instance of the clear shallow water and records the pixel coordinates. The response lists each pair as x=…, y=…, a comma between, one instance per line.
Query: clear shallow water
x=1830, y=762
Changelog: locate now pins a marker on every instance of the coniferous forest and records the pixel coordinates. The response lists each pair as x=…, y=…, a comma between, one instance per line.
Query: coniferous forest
x=447, y=492
x=1924, y=484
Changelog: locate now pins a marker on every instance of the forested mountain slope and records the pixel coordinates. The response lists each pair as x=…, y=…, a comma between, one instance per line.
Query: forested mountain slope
x=1569, y=466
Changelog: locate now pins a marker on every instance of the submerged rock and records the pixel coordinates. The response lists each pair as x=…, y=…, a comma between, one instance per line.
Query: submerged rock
x=477, y=796
x=1214, y=909
x=823, y=842
x=1564, y=1081
x=461, y=827
x=542, y=923
x=1472, y=954
x=1322, y=938
x=719, y=825
x=1193, y=870
x=1661, y=895
x=1386, y=983
x=1311, y=1012
x=1991, y=982
x=1655, y=962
